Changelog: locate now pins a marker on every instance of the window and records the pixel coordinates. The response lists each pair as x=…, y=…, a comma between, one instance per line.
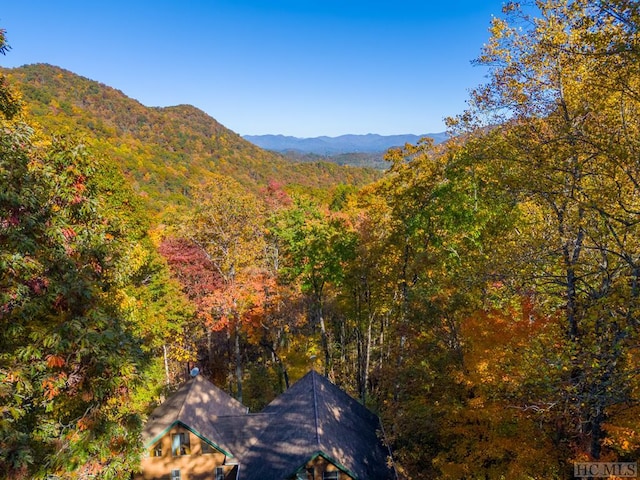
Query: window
x=175, y=475
x=334, y=475
x=157, y=449
x=305, y=474
x=205, y=447
x=180, y=444
x=219, y=473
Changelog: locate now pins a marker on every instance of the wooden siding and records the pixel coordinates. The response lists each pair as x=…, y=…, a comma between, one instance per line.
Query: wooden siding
x=316, y=467
x=194, y=466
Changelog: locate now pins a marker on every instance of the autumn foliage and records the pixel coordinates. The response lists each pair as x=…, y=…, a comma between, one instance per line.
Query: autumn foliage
x=482, y=296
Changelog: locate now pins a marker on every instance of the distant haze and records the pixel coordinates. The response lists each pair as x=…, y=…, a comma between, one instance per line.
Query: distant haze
x=370, y=143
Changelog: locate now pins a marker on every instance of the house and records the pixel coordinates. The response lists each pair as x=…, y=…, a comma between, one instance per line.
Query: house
x=181, y=435
x=313, y=431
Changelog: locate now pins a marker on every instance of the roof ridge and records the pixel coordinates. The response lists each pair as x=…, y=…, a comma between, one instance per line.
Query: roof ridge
x=187, y=393
x=315, y=406
x=248, y=414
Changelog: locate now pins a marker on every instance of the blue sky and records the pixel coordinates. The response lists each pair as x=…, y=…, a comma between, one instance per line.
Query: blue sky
x=294, y=67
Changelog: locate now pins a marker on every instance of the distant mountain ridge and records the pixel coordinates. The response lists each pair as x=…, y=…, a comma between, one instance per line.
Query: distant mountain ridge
x=370, y=143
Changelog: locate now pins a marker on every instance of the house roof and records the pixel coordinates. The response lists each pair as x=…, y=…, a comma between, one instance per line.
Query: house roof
x=315, y=417
x=312, y=418
x=196, y=405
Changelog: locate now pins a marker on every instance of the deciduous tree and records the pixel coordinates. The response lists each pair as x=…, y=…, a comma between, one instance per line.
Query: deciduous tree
x=228, y=227
x=563, y=108
x=68, y=359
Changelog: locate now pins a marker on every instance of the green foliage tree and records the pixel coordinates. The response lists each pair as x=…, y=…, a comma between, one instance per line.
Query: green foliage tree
x=72, y=266
x=365, y=297
x=67, y=361
x=315, y=247
x=440, y=215
x=562, y=105
x=9, y=105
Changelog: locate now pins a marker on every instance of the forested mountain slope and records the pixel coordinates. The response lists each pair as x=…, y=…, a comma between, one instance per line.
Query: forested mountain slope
x=483, y=296
x=163, y=151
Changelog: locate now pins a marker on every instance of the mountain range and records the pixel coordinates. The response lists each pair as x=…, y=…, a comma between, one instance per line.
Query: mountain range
x=343, y=144
x=165, y=151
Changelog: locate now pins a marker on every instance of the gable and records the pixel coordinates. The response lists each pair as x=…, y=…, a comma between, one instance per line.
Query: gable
x=179, y=449
x=194, y=405
x=198, y=435
x=314, y=424
x=320, y=463
x=315, y=417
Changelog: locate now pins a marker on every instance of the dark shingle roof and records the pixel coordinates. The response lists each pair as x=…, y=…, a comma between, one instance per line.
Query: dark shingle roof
x=241, y=432
x=315, y=417
x=195, y=405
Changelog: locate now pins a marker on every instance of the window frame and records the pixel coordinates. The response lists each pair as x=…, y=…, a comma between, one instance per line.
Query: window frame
x=206, y=448
x=305, y=474
x=183, y=444
x=157, y=450
x=219, y=473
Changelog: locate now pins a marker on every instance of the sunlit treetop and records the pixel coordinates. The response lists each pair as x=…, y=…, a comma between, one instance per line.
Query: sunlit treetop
x=4, y=47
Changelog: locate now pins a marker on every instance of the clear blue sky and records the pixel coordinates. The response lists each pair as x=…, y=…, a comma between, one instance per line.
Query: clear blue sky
x=294, y=67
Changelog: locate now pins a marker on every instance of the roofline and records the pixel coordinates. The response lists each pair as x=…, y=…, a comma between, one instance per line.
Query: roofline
x=192, y=430
x=315, y=408
x=388, y=447
x=330, y=459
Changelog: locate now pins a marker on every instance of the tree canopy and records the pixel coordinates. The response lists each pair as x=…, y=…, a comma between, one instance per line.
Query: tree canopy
x=482, y=295
x=75, y=256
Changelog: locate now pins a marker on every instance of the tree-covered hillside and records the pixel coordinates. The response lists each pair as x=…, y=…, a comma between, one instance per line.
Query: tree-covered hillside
x=86, y=305
x=163, y=151
x=483, y=296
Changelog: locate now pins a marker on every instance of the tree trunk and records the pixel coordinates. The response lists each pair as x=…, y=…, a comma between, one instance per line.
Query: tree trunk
x=281, y=366
x=319, y=314
x=359, y=364
x=596, y=436
x=367, y=361
x=328, y=370
x=166, y=363
x=364, y=360
x=238, y=357
x=209, y=364
x=404, y=285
